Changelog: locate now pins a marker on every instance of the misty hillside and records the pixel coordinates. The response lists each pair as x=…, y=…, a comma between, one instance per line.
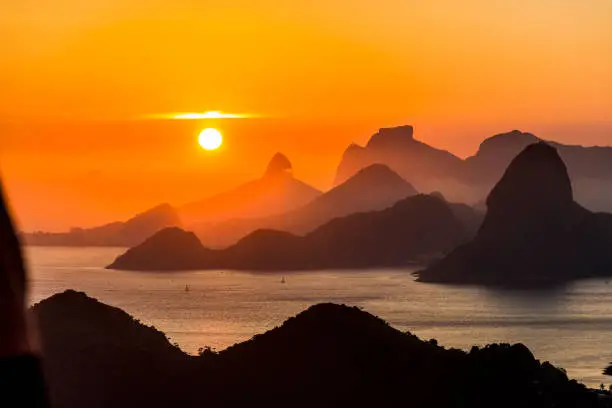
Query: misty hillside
x=127, y=233
x=277, y=191
x=412, y=230
x=375, y=187
x=470, y=180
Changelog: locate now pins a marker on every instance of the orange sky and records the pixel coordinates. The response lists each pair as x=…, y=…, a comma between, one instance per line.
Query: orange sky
x=76, y=76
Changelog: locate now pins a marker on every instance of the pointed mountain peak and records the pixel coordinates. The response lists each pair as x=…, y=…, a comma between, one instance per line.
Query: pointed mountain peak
x=164, y=208
x=376, y=173
x=536, y=179
x=390, y=137
x=352, y=149
x=279, y=164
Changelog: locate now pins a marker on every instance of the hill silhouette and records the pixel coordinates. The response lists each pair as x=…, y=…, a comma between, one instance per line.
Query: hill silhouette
x=533, y=233
x=413, y=229
x=496, y=152
x=277, y=191
x=170, y=249
x=469, y=180
x=96, y=355
x=327, y=356
x=396, y=147
x=127, y=233
x=374, y=187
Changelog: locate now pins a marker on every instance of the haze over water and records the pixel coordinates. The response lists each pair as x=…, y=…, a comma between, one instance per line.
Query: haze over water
x=569, y=326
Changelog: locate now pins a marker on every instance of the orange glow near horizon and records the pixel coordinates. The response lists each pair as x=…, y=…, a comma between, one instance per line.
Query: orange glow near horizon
x=198, y=116
x=79, y=145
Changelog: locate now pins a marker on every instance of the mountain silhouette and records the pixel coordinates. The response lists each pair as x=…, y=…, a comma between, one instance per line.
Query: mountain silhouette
x=327, y=356
x=533, y=232
x=171, y=249
x=469, y=180
x=496, y=152
x=96, y=355
x=413, y=229
x=279, y=164
x=128, y=233
x=396, y=147
x=374, y=187
x=274, y=193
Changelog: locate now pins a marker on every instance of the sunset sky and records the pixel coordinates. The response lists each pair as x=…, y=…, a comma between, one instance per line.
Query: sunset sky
x=81, y=79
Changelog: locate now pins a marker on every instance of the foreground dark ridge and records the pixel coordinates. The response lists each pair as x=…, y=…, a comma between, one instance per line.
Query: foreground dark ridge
x=327, y=356
x=413, y=229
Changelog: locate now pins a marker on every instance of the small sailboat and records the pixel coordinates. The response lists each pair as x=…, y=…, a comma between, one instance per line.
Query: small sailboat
x=186, y=288
x=283, y=279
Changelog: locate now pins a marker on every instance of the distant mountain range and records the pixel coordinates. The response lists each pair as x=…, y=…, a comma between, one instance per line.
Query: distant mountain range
x=413, y=229
x=276, y=192
x=393, y=165
x=534, y=233
x=128, y=233
x=329, y=355
x=470, y=180
x=374, y=187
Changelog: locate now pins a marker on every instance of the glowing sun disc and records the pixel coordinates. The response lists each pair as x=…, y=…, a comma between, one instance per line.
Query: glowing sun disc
x=210, y=139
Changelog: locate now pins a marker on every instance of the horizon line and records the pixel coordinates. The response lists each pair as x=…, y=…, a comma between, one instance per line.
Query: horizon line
x=200, y=115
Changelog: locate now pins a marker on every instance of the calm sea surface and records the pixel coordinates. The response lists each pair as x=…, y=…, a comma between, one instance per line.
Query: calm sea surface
x=570, y=326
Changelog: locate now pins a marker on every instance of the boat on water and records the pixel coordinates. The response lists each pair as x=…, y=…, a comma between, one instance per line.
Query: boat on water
x=186, y=288
x=282, y=280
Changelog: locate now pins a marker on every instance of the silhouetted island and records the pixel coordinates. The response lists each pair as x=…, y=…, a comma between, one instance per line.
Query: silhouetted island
x=374, y=187
x=327, y=356
x=469, y=180
x=534, y=233
x=414, y=229
x=128, y=233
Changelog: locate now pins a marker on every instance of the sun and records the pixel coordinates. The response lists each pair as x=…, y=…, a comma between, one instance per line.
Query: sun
x=210, y=139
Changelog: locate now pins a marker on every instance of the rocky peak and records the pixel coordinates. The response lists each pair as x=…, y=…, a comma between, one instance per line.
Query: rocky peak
x=536, y=179
x=376, y=174
x=534, y=233
x=390, y=137
x=279, y=164
x=353, y=149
